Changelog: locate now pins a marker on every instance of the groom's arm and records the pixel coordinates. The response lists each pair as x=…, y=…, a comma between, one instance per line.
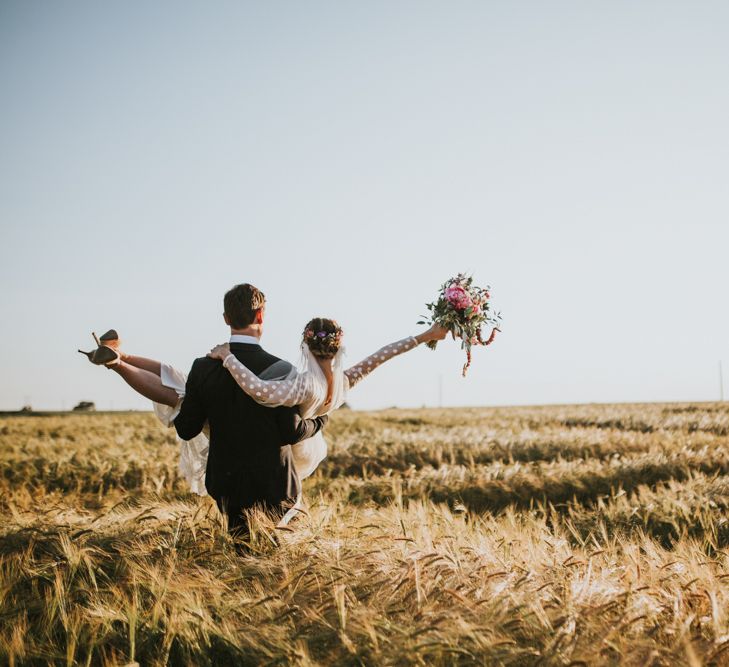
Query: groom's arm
x=293, y=428
x=192, y=417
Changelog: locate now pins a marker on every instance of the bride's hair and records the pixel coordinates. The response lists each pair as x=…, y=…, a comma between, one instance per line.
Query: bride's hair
x=323, y=336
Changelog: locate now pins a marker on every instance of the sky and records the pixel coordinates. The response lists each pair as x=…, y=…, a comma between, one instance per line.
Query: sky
x=347, y=158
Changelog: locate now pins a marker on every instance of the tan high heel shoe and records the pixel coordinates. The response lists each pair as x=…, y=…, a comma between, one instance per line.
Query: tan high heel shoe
x=110, y=339
x=104, y=354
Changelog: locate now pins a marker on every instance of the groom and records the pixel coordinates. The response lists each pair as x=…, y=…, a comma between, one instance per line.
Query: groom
x=250, y=464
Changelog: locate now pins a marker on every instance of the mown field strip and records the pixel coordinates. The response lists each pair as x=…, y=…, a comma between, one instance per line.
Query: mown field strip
x=496, y=486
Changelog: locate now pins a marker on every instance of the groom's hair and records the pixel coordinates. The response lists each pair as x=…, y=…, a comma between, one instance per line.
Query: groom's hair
x=241, y=304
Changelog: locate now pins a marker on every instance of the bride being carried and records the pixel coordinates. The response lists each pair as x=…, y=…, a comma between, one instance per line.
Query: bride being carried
x=320, y=384
x=237, y=452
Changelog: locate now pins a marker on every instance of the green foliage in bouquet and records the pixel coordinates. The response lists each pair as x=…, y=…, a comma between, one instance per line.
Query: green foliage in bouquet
x=464, y=309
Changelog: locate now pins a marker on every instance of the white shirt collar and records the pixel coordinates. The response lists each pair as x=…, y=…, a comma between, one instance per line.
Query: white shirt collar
x=240, y=338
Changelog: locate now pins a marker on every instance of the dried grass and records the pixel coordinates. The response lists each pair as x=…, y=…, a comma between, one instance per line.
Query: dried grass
x=588, y=535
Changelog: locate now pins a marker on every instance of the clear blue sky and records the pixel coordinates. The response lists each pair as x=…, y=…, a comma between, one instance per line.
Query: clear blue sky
x=349, y=157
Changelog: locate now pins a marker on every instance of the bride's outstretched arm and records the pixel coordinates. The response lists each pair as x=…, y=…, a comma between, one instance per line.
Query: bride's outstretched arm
x=361, y=370
x=272, y=393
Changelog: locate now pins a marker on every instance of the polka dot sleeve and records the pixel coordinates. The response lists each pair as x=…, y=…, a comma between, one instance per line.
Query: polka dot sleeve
x=366, y=366
x=272, y=393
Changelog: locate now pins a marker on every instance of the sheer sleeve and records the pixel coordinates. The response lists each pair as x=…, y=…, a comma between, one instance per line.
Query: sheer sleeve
x=366, y=366
x=272, y=393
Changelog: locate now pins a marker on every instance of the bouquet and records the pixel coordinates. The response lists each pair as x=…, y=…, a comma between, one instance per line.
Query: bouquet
x=463, y=309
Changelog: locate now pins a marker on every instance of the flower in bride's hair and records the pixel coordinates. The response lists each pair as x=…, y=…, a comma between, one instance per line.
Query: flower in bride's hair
x=323, y=336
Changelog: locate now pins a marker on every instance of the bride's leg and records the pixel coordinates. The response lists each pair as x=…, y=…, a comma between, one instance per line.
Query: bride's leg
x=151, y=365
x=146, y=382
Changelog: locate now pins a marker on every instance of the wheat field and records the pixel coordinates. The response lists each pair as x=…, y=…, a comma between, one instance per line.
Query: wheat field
x=570, y=535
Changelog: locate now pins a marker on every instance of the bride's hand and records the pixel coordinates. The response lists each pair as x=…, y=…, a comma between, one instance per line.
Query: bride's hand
x=436, y=332
x=220, y=351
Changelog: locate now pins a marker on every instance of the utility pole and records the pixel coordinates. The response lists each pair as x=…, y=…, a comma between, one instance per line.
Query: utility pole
x=721, y=382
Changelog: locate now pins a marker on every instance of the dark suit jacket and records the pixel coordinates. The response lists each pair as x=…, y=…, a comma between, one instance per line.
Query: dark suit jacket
x=250, y=461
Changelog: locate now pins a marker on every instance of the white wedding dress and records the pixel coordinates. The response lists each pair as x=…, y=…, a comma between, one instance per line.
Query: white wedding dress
x=305, y=387
x=193, y=453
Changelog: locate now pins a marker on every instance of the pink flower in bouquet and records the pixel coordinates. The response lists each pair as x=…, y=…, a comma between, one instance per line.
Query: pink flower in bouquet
x=475, y=309
x=458, y=297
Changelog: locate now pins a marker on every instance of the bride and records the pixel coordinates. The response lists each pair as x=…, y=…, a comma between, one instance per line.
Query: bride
x=318, y=386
